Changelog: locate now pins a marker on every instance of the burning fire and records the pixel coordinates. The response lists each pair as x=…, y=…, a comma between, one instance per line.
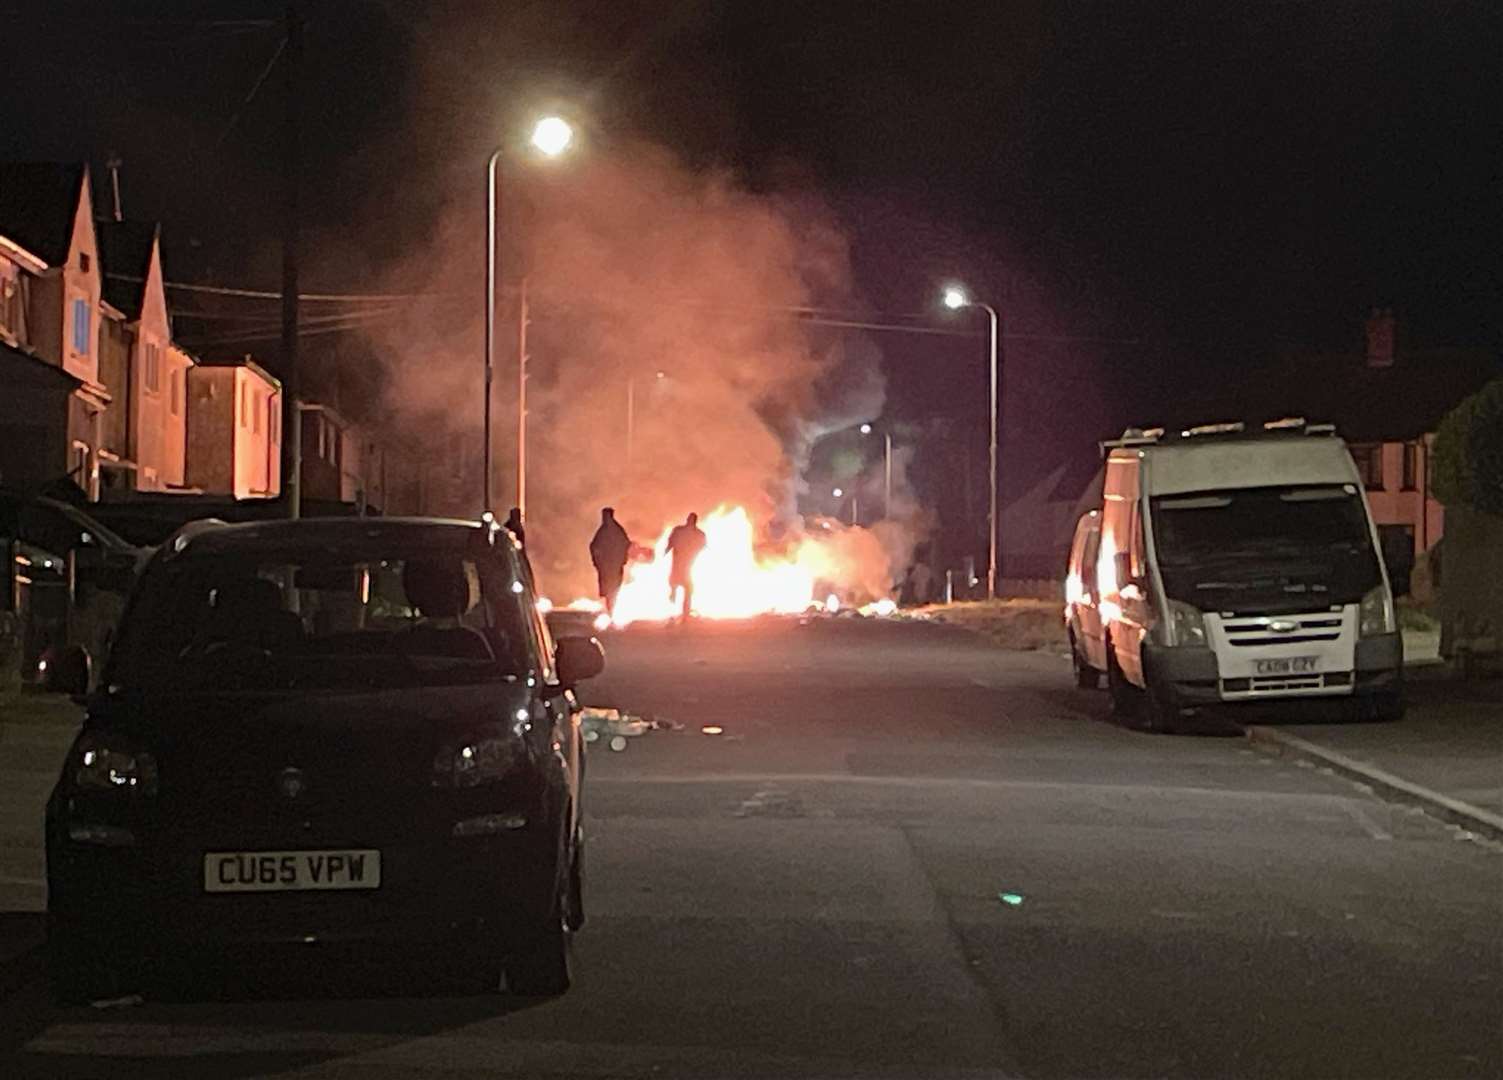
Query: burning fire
x=734, y=580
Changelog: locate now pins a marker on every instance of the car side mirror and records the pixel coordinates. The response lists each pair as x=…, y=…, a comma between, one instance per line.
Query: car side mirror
x=578, y=659
x=70, y=672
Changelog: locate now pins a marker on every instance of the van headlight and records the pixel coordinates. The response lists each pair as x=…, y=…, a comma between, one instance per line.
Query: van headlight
x=1187, y=624
x=1375, y=616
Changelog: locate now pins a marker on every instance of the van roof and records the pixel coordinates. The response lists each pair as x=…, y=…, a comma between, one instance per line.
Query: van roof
x=1185, y=465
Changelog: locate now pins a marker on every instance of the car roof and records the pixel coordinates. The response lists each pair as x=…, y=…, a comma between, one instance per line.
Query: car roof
x=202, y=538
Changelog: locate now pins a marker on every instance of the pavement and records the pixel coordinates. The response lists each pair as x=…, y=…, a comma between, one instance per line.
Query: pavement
x=880, y=849
x=1445, y=755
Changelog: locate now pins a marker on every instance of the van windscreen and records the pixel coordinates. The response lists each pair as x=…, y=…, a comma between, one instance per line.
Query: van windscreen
x=1265, y=548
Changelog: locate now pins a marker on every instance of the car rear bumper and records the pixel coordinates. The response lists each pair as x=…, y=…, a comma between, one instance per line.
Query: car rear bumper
x=143, y=902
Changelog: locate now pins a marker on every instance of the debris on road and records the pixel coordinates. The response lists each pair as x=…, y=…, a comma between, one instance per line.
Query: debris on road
x=1011, y=899
x=597, y=723
x=1020, y=623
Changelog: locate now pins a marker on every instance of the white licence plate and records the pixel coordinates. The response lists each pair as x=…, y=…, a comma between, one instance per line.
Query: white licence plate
x=1287, y=665
x=286, y=871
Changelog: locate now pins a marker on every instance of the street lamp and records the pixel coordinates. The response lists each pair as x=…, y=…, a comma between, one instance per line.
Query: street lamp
x=955, y=297
x=551, y=136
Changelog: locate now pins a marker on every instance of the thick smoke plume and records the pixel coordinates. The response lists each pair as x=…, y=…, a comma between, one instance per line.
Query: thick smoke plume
x=675, y=296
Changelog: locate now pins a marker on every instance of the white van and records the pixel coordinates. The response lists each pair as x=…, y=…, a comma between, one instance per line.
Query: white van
x=1082, y=612
x=1241, y=565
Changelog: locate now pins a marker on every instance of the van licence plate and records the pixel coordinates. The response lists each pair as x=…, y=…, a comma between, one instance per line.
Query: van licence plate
x=287, y=871
x=1287, y=665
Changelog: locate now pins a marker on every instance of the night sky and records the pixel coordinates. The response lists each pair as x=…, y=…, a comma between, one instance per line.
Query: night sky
x=1160, y=195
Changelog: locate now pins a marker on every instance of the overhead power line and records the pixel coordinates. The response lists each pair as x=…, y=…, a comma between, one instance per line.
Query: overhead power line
x=254, y=90
x=378, y=305
x=266, y=294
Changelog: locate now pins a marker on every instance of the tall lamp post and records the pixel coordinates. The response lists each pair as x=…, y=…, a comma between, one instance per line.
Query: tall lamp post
x=955, y=298
x=551, y=136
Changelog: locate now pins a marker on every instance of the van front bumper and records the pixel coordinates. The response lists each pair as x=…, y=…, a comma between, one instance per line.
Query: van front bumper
x=1187, y=676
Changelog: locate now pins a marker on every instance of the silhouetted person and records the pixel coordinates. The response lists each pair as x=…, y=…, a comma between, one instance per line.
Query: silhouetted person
x=515, y=527
x=685, y=543
x=608, y=551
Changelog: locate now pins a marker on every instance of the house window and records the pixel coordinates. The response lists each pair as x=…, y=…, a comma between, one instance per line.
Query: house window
x=1369, y=461
x=83, y=261
x=153, y=357
x=256, y=415
x=177, y=392
x=81, y=327
x=244, y=417
x=1411, y=466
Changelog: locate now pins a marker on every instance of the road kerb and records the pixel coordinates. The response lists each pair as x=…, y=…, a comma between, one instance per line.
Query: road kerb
x=1396, y=788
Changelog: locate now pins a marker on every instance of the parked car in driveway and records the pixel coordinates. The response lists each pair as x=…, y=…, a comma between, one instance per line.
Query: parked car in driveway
x=326, y=731
x=65, y=575
x=1082, y=603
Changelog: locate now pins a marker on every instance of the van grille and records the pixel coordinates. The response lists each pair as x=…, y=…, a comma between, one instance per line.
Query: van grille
x=1278, y=684
x=1282, y=629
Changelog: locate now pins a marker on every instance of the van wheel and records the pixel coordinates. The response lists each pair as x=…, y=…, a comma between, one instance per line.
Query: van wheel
x=1159, y=713
x=1086, y=677
x=1159, y=710
x=1124, y=695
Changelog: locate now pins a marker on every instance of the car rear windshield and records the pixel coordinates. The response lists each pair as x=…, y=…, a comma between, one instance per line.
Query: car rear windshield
x=239, y=622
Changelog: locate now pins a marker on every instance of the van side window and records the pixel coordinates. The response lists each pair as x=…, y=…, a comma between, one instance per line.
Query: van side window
x=1088, y=561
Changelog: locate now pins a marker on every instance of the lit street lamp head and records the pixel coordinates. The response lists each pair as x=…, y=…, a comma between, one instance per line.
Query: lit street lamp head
x=955, y=297
x=837, y=493
x=552, y=136
x=866, y=429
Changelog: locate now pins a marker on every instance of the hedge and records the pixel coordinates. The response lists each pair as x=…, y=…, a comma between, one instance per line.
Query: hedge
x=1469, y=452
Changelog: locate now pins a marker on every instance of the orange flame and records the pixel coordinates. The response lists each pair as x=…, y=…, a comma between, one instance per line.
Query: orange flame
x=733, y=580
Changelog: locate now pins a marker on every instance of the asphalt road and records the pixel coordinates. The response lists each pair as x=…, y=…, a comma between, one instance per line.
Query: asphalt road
x=910, y=855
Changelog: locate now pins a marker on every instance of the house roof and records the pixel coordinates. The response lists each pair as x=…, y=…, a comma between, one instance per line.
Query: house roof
x=125, y=250
x=240, y=361
x=1401, y=402
x=38, y=201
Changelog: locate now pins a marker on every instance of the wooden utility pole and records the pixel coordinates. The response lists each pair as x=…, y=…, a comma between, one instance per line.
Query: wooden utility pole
x=292, y=428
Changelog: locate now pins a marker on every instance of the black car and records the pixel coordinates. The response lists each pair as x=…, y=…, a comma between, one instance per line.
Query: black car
x=325, y=732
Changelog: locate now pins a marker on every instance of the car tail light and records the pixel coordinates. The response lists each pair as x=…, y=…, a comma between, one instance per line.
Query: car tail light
x=478, y=761
x=107, y=763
